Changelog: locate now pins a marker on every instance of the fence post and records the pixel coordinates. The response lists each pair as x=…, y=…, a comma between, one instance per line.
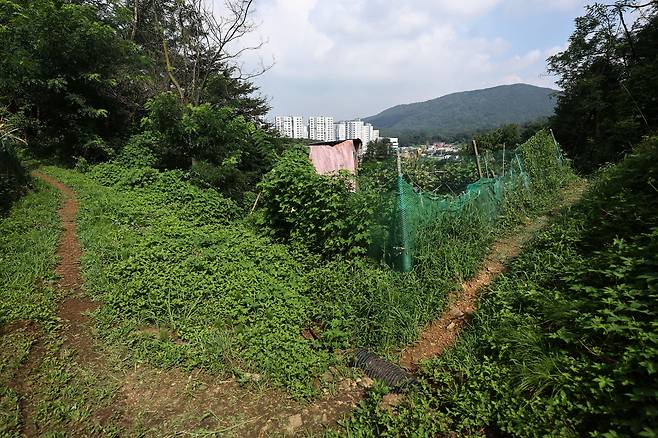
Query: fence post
x=477, y=158
x=405, y=254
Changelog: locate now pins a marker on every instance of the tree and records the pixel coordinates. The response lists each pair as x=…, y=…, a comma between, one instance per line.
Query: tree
x=378, y=150
x=609, y=77
x=196, y=48
x=222, y=148
x=66, y=77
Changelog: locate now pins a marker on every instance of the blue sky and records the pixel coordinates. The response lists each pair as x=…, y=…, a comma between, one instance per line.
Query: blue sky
x=355, y=58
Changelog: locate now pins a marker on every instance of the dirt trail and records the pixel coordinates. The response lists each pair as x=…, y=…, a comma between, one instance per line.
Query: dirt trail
x=164, y=401
x=72, y=310
x=443, y=332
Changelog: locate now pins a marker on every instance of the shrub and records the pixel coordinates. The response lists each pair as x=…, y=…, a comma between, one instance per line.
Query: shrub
x=317, y=211
x=139, y=151
x=13, y=179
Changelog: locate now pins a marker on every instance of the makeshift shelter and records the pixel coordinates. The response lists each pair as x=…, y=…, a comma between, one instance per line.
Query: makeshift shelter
x=329, y=158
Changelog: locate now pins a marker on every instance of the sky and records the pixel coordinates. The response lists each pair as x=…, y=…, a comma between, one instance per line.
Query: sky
x=355, y=58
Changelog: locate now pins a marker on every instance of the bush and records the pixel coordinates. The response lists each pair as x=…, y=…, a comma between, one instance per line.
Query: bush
x=139, y=151
x=316, y=211
x=13, y=179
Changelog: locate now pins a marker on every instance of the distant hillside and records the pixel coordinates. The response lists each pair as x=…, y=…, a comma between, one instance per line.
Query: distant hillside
x=460, y=114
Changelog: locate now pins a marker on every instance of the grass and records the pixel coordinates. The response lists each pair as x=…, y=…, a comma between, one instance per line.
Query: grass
x=164, y=255
x=186, y=282
x=565, y=343
x=28, y=240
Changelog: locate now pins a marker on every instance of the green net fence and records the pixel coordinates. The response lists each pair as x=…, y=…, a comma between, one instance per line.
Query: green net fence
x=528, y=172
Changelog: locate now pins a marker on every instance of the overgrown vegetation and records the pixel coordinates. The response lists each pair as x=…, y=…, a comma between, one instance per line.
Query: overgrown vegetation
x=565, y=343
x=12, y=175
x=609, y=76
x=211, y=244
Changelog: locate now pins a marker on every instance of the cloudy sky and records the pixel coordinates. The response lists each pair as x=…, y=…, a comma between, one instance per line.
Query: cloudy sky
x=355, y=58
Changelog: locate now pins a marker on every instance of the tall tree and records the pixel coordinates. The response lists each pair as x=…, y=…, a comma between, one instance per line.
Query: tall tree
x=196, y=46
x=66, y=77
x=608, y=74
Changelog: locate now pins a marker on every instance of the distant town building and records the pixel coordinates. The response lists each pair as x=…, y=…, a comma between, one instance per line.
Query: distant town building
x=355, y=129
x=321, y=128
x=368, y=134
x=291, y=126
x=395, y=141
x=340, y=129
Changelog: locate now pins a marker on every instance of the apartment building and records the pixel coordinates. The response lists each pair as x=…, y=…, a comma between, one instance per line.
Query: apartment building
x=291, y=126
x=321, y=128
x=340, y=129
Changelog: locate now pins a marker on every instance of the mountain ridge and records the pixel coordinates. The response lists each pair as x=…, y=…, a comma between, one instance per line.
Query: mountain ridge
x=466, y=112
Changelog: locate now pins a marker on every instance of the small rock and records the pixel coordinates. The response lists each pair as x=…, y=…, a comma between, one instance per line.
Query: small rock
x=367, y=382
x=252, y=377
x=469, y=311
x=456, y=313
x=451, y=326
x=294, y=423
x=325, y=419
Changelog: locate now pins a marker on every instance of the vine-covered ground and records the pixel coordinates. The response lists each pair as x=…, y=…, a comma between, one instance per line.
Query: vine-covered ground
x=565, y=343
x=197, y=298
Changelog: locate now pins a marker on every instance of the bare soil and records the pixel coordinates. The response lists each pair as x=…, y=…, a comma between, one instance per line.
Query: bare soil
x=74, y=308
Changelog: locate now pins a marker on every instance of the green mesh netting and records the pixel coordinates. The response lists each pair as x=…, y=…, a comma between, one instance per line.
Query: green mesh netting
x=405, y=212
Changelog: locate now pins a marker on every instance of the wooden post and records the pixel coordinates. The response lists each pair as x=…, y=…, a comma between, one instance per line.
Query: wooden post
x=492, y=160
x=554, y=140
x=503, y=160
x=477, y=157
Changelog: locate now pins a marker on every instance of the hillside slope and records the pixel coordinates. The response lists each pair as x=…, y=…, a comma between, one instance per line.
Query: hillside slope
x=467, y=112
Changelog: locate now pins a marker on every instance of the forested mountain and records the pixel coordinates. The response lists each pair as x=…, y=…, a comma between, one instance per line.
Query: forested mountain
x=460, y=114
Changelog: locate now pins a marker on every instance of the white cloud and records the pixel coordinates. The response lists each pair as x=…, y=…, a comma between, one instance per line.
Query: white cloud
x=356, y=57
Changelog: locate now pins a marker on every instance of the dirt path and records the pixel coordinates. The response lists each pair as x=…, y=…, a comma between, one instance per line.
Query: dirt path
x=167, y=402
x=72, y=310
x=444, y=331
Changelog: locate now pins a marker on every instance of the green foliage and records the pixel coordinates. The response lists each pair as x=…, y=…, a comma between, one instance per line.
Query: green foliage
x=609, y=77
x=420, y=219
x=138, y=151
x=13, y=179
x=161, y=253
x=510, y=135
x=319, y=212
x=67, y=75
x=234, y=153
x=28, y=239
x=543, y=163
x=565, y=343
x=377, y=150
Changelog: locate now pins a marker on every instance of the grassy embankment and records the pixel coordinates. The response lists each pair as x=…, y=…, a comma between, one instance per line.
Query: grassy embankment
x=565, y=343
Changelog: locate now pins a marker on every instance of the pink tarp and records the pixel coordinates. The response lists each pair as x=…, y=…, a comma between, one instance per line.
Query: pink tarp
x=329, y=160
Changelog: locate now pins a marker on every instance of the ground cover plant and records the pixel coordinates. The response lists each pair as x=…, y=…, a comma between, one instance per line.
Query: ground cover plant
x=186, y=281
x=30, y=342
x=565, y=343
x=162, y=254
